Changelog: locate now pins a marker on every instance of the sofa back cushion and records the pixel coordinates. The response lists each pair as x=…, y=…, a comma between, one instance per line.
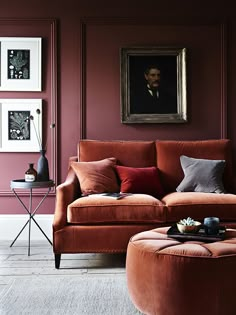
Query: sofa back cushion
x=127, y=153
x=168, y=159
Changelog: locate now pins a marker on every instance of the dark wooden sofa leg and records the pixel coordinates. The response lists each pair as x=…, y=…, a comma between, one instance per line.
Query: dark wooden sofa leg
x=57, y=260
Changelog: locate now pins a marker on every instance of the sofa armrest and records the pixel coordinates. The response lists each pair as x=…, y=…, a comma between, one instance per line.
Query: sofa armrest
x=66, y=193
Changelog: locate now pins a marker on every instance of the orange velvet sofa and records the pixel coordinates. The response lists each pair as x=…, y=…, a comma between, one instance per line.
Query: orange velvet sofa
x=105, y=225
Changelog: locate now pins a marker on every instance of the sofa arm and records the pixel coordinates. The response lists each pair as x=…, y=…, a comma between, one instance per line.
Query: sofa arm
x=65, y=194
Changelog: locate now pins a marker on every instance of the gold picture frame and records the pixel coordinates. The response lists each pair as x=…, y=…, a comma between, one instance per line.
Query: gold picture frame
x=137, y=102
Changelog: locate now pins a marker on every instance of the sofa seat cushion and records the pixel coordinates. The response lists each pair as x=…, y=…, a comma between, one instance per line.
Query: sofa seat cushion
x=198, y=205
x=97, y=209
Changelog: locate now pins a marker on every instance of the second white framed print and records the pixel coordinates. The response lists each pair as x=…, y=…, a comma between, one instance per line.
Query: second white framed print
x=20, y=125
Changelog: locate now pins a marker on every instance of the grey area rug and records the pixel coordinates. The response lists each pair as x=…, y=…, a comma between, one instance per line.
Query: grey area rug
x=83, y=294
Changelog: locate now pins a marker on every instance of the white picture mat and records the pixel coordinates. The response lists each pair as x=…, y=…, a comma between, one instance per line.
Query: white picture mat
x=31, y=145
x=34, y=44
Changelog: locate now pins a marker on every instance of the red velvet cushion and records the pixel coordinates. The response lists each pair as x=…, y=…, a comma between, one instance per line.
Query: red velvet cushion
x=143, y=180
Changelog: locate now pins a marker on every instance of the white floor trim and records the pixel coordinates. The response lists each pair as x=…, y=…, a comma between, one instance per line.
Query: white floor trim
x=10, y=226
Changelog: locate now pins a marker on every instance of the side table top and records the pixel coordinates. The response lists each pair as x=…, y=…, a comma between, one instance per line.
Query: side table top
x=21, y=183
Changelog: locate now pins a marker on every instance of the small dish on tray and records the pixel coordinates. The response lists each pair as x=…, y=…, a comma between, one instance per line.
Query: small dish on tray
x=198, y=236
x=194, y=228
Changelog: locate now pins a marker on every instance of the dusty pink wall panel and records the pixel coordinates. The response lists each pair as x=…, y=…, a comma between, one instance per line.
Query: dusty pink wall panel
x=204, y=79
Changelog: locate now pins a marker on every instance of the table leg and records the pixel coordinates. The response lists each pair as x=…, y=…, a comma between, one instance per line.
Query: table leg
x=30, y=211
x=41, y=230
x=19, y=233
x=23, y=205
x=31, y=216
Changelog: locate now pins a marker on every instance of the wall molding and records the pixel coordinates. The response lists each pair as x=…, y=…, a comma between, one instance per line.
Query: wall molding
x=224, y=118
x=10, y=226
x=152, y=21
x=83, y=82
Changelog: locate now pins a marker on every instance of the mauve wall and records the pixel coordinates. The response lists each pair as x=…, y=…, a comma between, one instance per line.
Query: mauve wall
x=89, y=37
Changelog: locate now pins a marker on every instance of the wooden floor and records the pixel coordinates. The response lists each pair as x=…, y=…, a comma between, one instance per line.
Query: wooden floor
x=15, y=262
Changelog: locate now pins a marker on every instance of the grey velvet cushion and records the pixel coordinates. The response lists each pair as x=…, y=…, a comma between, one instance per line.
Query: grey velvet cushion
x=202, y=175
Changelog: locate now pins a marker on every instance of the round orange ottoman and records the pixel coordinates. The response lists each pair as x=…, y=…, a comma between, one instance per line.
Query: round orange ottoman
x=169, y=277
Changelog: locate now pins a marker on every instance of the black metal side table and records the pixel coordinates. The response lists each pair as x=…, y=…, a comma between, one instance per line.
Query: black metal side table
x=22, y=184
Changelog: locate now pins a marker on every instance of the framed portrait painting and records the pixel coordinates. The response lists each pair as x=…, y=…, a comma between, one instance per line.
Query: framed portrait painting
x=20, y=66
x=20, y=125
x=153, y=85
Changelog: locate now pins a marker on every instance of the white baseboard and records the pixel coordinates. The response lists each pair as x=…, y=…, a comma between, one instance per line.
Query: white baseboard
x=10, y=226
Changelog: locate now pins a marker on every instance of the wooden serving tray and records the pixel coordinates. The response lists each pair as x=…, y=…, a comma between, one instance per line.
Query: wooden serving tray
x=199, y=236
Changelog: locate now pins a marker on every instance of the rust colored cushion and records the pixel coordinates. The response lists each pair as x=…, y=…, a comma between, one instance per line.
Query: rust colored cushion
x=97, y=176
x=199, y=205
x=97, y=209
x=143, y=180
x=127, y=153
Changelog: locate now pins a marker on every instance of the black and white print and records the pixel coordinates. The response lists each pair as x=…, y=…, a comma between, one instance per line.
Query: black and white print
x=18, y=64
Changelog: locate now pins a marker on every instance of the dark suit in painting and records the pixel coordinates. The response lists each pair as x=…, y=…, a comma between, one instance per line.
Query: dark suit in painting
x=157, y=101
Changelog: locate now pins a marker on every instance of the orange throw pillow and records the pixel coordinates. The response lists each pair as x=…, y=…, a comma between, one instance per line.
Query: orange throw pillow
x=143, y=180
x=97, y=176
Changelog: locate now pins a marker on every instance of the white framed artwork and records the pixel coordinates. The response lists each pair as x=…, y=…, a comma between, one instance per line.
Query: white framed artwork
x=20, y=125
x=21, y=64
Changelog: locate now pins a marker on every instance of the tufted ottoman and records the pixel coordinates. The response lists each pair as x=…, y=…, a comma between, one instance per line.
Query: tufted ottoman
x=169, y=277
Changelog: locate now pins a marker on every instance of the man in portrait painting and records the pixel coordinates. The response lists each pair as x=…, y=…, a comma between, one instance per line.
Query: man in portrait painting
x=153, y=96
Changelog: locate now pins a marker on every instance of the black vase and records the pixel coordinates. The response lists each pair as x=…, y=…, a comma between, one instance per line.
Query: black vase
x=42, y=170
